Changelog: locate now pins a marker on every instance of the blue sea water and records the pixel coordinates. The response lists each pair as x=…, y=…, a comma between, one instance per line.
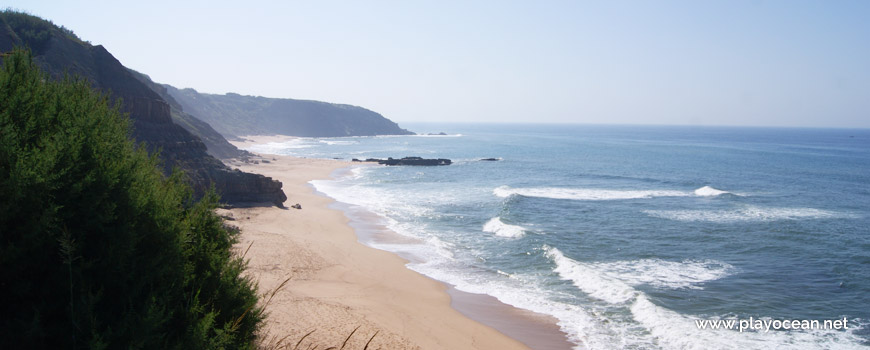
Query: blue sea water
x=629, y=234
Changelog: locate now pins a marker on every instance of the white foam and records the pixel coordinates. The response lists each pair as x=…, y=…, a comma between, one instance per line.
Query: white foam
x=434, y=257
x=380, y=201
x=585, y=193
x=279, y=147
x=708, y=191
x=443, y=248
x=676, y=331
x=627, y=318
x=589, y=280
x=499, y=228
x=358, y=172
x=687, y=274
x=588, y=330
x=747, y=213
x=337, y=142
x=613, y=281
x=671, y=330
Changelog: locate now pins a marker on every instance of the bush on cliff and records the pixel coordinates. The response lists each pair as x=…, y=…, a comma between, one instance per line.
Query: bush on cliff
x=97, y=248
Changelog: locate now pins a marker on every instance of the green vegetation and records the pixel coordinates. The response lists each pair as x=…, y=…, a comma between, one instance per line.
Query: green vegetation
x=33, y=30
x=98, y=249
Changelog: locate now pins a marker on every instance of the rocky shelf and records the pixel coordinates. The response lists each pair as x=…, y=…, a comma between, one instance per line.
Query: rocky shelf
x=415, y=161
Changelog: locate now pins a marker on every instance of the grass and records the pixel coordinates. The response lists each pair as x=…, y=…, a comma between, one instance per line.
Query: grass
x=284, y=344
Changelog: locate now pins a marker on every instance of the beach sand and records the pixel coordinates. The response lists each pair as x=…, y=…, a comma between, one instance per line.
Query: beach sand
x=337, y=284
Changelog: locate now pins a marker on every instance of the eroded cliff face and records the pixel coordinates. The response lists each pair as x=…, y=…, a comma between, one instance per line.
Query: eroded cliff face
x=153, y=124
x=60, y=54
x=216, y=145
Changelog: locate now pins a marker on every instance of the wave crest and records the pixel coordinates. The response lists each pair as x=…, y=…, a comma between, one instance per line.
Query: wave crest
x=591, y=194
x=589, y=280
x=613, y=282
x=499, y=228
x=708, y=191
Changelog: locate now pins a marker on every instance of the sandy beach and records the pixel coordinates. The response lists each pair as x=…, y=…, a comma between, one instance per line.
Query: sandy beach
x=337, y=284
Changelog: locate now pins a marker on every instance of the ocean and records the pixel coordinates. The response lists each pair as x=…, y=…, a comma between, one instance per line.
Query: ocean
x=630, y=235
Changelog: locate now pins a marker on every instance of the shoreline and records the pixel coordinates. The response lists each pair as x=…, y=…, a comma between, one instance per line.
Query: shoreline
x=536, y=330
x=340, y=283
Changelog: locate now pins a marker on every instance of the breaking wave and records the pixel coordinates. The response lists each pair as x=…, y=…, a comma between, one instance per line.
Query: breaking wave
x=588, y=194
x=499, y=228
x=669, y=329
x=708, y=191
x=596, y=194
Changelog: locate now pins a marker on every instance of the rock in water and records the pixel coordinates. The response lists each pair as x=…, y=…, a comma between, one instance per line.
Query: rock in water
x=418, y=161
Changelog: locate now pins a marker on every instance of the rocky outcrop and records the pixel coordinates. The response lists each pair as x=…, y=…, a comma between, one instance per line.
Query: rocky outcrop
x=60, y=53
x=413, y=161
x=241, y=188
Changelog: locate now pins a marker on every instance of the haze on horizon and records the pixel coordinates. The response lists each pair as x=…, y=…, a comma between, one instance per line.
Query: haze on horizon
x=755, y=63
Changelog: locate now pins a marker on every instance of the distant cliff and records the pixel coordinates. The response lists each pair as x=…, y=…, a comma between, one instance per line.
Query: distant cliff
x=59, y=52
x=237, y=115
x=215, y=143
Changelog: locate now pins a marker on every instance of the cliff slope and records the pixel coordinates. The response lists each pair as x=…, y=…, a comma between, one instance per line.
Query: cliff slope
x=215, y=143
x=58, y=51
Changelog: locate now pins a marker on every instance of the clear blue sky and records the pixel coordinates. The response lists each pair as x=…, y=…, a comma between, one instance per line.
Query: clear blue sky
x=780, y=63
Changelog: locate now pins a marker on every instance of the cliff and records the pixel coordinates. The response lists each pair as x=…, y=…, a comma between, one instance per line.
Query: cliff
x=237, y=115
x=216, y=144
x=58, y=51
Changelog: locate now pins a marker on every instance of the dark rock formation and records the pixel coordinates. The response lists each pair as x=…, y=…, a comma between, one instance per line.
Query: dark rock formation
x=59, y=52
x=236, y=115
x=415, y=161
x=239, y=188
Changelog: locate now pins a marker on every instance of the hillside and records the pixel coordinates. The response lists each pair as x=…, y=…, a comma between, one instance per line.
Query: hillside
x=215, y=143
x=237, y=115
x=59, y=52
x=101, y=250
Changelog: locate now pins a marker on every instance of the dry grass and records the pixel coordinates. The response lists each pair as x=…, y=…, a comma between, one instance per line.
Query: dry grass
x=284, y=342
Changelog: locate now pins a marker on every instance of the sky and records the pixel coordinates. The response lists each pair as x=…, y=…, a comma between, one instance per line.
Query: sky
x=755, y=63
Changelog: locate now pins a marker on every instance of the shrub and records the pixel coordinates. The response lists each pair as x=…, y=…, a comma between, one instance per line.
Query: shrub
x=97, y=248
